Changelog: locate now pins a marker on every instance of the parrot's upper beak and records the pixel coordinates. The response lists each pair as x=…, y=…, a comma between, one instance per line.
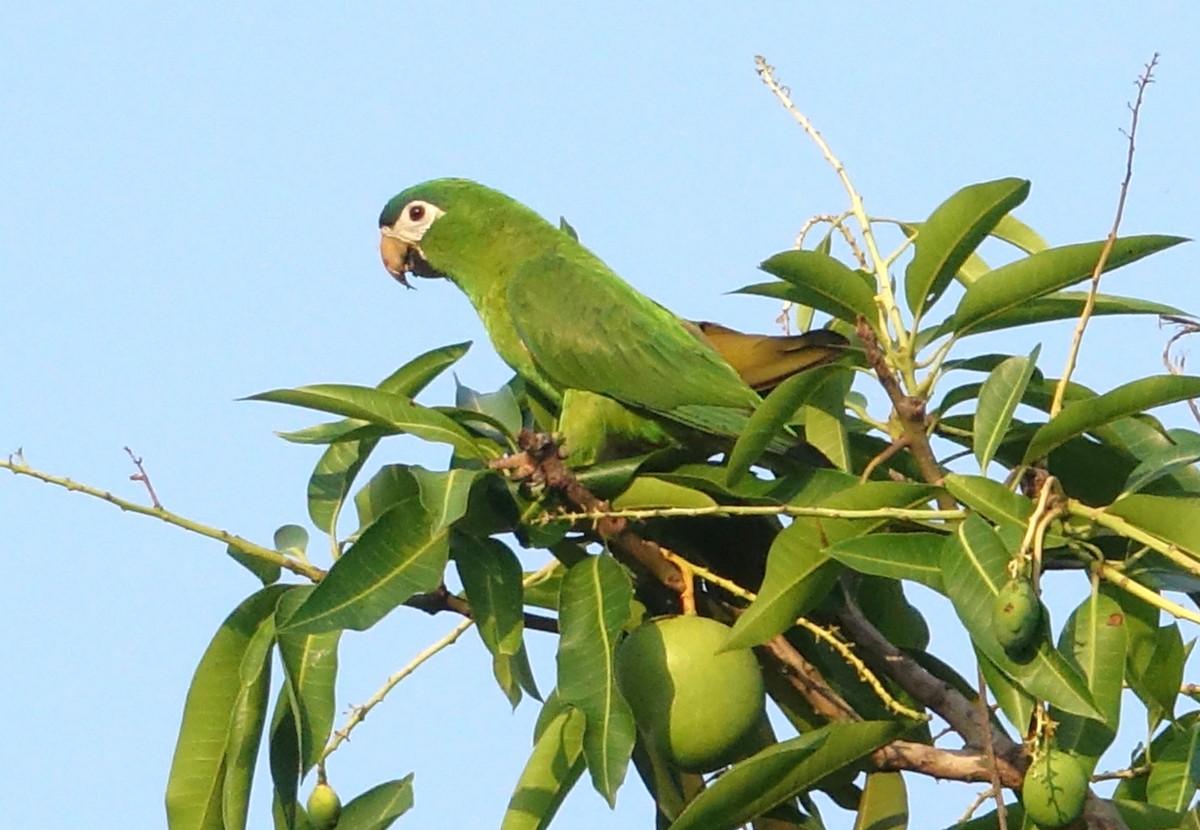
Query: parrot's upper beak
x=394, y=253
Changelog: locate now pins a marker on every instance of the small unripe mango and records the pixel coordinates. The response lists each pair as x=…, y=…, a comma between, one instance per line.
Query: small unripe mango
x=324, y=807
x=1017, y=618
x=1054, y=790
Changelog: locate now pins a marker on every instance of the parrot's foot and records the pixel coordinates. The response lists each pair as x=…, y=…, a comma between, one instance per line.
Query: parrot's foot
x=540, y=462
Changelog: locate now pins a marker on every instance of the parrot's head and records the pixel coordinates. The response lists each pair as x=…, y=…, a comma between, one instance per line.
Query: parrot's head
x=454, y=228
x=403, y=224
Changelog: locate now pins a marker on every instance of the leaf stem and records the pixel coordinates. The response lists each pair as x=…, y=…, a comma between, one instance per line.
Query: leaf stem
x=844, y=650
x=1130, y=531
x=910, y=513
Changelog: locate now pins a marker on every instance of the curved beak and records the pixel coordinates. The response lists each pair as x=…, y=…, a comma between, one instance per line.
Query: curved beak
x=394, y=253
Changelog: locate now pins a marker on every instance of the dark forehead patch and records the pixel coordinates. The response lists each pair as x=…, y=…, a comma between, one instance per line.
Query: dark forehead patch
x=439, y=192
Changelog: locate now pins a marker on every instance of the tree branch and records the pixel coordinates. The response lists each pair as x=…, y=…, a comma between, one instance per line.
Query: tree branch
x=435, y=602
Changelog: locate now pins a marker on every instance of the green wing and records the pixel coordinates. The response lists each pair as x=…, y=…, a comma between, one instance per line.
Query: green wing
x=588, y=329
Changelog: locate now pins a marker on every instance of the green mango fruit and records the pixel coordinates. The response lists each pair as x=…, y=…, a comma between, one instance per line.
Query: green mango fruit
x=1054, y=790
x=324, y=807
x=1017, y=617
x=698, y=707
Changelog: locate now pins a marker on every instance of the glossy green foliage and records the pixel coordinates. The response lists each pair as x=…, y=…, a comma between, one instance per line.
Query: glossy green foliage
x=813, y=501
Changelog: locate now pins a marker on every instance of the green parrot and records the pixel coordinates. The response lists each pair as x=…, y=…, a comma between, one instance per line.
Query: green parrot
x=626, y=373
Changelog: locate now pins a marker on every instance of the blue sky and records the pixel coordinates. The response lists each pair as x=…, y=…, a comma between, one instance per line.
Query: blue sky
x=188, y=216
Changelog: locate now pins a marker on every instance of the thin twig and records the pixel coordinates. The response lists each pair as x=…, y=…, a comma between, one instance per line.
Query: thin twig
x=838, y=223
x=359, y=713
x=1176, y=367
x=978, y=802
x=985, y=716
x=144, y=477
x=1122, y=774
x=16, y=464
x=887, y=304
x=1143, y=81
x=820, y=634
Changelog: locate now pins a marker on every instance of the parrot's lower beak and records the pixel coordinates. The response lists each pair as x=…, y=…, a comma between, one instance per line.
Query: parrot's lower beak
x=394, y=253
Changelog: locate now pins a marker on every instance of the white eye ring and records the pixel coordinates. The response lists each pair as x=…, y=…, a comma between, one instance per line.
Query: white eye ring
x=415, y=219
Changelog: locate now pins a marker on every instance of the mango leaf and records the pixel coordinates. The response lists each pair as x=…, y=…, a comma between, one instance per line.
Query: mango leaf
x=331, y=479
x=670, y=787
x=971, y=270
x=500, y=407
x=401, y=554
x=974, y=568
x=884, y=603
x=247, y=717
x=884, y=802
x=408, y=381
x=1175, y=773
x=775, y=412
x=1061, y=305
x=209, y=782
x=1012, y=230
x=755, y=785
x=986, y=363
x=1129, y=399
x=1158, y=687
x=650, y=492
x=1175, y=519
x=1143, y=436
x=352, y=440
x=1036, y=275
x=444, y=493
x=823, y=415
x=913, y=556
x=593, y=607
x=1094, y=640
x=952, y=233
x=554, y=766
x=1139, y=815
x=990, y=499
x=799, y=570
x=998, y=400
x=608, y=478
x=379, y=807
x=310, y=664
x=491, y=576
x=391, y=484
x=799, y=573
x=1164, y=461
x=284, y=761
x=827, y=435
x=1016, y=703
x=267, y=572
x=395, y=412
x=824, y=283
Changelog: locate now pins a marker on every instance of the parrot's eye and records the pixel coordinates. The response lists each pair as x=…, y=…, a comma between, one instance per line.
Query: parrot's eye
x=414, y=219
